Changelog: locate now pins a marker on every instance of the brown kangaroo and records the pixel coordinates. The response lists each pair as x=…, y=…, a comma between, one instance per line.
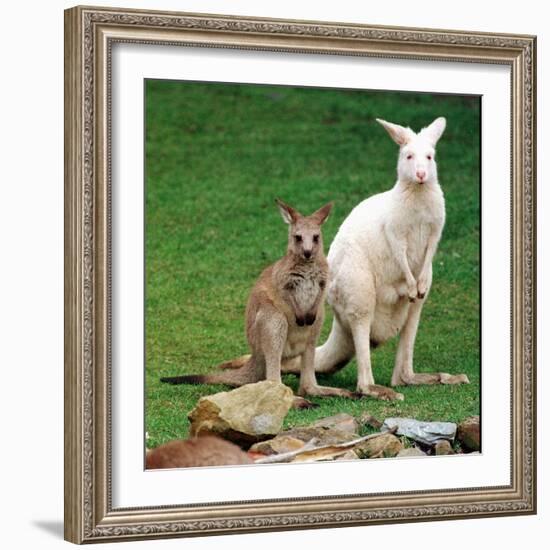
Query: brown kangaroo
x=284, y=314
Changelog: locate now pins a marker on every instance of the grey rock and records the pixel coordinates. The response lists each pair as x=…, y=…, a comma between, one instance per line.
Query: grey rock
x=423, y=432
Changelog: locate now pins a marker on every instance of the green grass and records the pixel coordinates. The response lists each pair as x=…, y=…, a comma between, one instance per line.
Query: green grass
x=216, y=157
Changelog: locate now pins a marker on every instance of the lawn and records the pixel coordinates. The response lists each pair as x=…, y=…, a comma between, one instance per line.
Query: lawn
x=217, y=155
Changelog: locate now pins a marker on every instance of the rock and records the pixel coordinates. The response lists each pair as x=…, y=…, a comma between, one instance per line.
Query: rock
x=411, y=451
x=255, y=456
x=384, y=446
x=323, y=436
x=469, y=433
x=201, y=451
x=248, y=414
x=280, y=444
x=367, y=419
x=423, y=432
x=295, y=438
x=343, y=421
x=348, y=455
x=324, y=454
x=443, y=447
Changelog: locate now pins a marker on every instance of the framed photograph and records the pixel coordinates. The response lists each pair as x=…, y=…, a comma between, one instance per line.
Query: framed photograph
x=300, y=274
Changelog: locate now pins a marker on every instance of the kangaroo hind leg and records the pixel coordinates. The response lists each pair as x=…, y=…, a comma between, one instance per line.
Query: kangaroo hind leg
x=271, y=329
x=332, y=356
x=403, y=374
x=308, y=381
x=365, y=379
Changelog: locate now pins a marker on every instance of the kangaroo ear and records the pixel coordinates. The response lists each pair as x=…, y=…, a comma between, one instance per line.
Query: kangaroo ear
x=287, y=212
x=399, y=134
x=321, y=215
x=433, y=132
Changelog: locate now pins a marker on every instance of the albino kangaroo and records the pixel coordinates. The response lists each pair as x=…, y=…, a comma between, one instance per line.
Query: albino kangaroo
x=284, y=314
x=381, y=268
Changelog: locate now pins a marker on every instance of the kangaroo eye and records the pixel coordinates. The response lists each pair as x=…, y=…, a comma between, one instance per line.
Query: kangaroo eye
x=298, y=238
x=429, y=157
x=409, y=157
x=315, y=238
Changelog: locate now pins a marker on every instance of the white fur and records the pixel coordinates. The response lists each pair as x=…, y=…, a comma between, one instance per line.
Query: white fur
x=381, y=263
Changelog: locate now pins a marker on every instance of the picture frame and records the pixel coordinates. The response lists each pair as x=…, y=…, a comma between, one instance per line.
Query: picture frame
x=90, y=35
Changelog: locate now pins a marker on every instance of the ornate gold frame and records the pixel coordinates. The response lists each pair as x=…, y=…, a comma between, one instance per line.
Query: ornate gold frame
x=89, y=35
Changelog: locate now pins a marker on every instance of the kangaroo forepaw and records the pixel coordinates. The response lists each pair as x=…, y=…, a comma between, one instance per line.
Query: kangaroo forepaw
x=422, y=287
x=412, y=291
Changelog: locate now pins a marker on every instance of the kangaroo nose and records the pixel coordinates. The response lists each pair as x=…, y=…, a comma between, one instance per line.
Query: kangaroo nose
x=307, y=254
x=421, y=174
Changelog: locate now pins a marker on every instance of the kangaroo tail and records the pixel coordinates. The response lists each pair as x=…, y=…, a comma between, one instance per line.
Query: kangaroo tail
x=336, y=352
x=245, y=374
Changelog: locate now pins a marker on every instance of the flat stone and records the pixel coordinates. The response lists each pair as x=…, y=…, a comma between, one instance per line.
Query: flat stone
x=343, y=421
x=295, y=438
x=423, y=432
x=280, y=444
x=245, y=415
x=323, y=436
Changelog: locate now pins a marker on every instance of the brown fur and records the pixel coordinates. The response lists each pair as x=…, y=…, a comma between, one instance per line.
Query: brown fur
x=201, y=451
x=284, y=314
